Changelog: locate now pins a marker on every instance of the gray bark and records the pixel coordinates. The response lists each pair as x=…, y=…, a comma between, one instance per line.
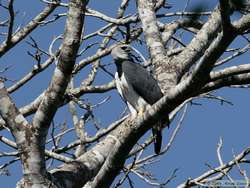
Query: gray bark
x=183, y=73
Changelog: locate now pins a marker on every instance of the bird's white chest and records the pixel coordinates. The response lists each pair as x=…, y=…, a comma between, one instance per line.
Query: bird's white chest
x=122, y=85
x=130, y=96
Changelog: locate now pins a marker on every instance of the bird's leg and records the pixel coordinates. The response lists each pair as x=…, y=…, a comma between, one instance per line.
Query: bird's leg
x=143, y=108
x=134, y=113
x=141, y=111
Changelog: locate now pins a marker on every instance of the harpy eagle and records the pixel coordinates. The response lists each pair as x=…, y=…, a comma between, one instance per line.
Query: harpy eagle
x=137, y=87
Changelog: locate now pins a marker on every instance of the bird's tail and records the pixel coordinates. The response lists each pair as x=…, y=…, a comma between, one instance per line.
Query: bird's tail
x=157, y=134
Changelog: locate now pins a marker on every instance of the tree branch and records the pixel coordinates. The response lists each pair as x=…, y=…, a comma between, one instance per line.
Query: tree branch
x=66, y=61
x=34, y=161
x=21, y=34
x=151, y=31
x=230, y=71
x=205, y=176
x=240, y=79
x=243, y=24
x=26, y=140
x=199, y=44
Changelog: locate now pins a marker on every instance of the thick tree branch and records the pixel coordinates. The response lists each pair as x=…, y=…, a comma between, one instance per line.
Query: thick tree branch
x=34, y=161
x=13, y=118
x=164, y=73
x=230, y=71
x=242, y=25
x=240, y=79
x=199, y=43
x=200, y=75
x=225, y=13
x=66, y=61
x=151, y=31
x=26, y=140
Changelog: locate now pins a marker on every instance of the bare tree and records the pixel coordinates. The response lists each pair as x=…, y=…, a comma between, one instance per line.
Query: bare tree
x=184, y=71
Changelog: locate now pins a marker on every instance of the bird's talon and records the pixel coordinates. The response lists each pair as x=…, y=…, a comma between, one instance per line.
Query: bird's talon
x=141, y=111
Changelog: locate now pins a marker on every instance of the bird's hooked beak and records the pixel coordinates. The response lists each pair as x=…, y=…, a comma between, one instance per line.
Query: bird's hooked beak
x=121, y=52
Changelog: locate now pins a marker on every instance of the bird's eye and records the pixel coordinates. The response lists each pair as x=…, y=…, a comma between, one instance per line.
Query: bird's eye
x=124, y=47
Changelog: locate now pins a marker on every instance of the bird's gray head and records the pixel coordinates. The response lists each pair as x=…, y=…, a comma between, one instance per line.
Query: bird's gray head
x=126, y=52
x=121, y=53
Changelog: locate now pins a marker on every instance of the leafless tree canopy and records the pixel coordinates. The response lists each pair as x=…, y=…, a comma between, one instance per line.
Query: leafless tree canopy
x=184, y=70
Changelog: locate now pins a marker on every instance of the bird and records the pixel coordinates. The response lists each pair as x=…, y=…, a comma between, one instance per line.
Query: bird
x=137, y=87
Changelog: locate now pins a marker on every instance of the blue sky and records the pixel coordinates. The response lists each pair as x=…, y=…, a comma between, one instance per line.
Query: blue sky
x=204, y=124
